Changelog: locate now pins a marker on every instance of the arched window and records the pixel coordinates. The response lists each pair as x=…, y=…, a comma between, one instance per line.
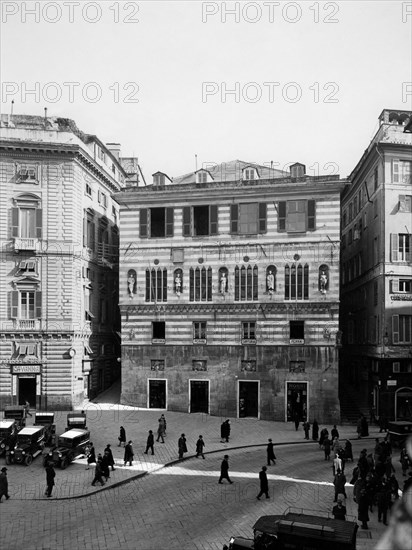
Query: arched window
x=200, y=284
x=246, y=283
x=156, y=285
x=323, y=279
x=296, y=282
x=271, y=278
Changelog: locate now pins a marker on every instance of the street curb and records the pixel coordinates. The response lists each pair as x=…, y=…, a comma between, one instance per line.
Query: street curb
x=178, y=461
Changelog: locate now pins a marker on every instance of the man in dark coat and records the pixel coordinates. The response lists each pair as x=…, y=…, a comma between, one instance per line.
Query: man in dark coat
x=323, y=435
x=264, y=486
x=326, y=447
x=4, y=484
x=104, y=464
x=128, y=454
x=224, y=469
x=306, y=428
x=270, y=453
x=150, y=443
x=50, y=475
x=98, y=473
x=363, y=506
x=339, y=510
x=199, y=447
x=383, y=495
x=339, y=483
x=110, y=458
x=181, y=444
x=122, y=437
x=334, y=432
x=225, y=431
x=315, y=430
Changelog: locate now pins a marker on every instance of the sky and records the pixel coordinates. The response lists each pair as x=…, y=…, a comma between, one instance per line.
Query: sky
x=185, y=84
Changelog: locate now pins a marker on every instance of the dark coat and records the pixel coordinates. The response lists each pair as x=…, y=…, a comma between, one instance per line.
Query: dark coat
x=264, y=486
x=315, y=430
x=224, y=467
x=91, y=457
x=109, y=454
x=199, y=445
x=4, y=484
x=339, y=512
x=363, y=506
x=270, y=451
x=104, y=464
x=122, y=436
x=225, y=429
x=334, y=433
x=323, y=435
x=150, y=440
x=128, y=453
x=50, y=475
x=182, y=445
x=339, y=483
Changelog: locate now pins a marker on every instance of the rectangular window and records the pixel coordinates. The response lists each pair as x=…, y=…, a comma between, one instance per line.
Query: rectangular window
x=248, y=218
x=360, y=199
x=297, y=216
x=405, y=285
x=401, y=329
x=249, y=331
x=88, y=190
x=202, y=177
x=405, y=203
x=156, y=222
x=102, y=199
x=246, y=283
x=297, y=332
x=200, y=284
x=350, y=212
x=297, y=366
x=90, y=234
x=159, y=331
x=400, y=247
x=156, y=285
x=401, y=171
x=200, y=220
x=404, y=368
x=296, y=282
x=199, y=332
x=25, y=304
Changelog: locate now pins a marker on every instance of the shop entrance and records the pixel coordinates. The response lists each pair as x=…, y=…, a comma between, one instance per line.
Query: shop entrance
x=157, y=394
x=296, y=401
x=248, y=399
x=403, y=404
x=27, y=390
x=199, y=396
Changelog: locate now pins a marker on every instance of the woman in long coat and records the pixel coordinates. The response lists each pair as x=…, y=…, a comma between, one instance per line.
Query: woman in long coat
x=128, y=454
x=315, y=430
x=182, y=445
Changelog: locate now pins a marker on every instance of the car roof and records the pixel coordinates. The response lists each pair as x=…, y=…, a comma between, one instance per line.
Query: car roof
x=6, y=423
x=71, y=434
x=31, y=430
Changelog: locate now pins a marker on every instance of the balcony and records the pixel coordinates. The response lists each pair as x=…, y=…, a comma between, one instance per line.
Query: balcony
x=27, y=324
x=25, y=244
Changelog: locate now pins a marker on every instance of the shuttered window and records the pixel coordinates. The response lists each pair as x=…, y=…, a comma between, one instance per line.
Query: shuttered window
x=248, y=218
x=156, y=222
x=296, y=216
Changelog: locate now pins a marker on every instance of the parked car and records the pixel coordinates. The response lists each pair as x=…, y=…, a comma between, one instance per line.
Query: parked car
x=8, y=435
x=17, y=413
x=76, y=420
x=70, y=446
x=46, y=419
x=29, y=444
x=299, y=531
x=399, y=432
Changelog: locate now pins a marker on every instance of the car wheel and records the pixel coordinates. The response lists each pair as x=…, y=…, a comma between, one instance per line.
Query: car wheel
x=28, y=460
x=64, y=464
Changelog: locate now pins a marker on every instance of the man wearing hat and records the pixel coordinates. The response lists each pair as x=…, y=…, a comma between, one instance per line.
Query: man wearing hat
x=4, y=484
x=109, y=454
x=270, y=453
x=224, y=469
x=264, y=486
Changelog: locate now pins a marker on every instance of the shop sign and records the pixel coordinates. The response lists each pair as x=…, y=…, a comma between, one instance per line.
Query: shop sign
x=26, y=369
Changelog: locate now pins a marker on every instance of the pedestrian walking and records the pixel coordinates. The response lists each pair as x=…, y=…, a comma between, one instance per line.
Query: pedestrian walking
x=383, y=498
x=315, y=430
x=296, y=420
x=326, y=448
x=4, y=484
x=110, y=458
x=306, y=428
x=225, y=431
x=339, y=510
x=270, y=453
x=337, y=464
x=161, y=429
x=339, y=484
x=335, y=445
x=348, y=450
x=150, y=443
x=104, y=464
x=98, y=473
x=163, y=418
x=50, y=475
x=122, y=437
x=323, y=435
x=128, y=454
x=181, y=444
x=363, y=506
x=224, y=469
x=26, y=407
x=264, y=486
x=91, y=455
x=334, y=432
x=200, y=444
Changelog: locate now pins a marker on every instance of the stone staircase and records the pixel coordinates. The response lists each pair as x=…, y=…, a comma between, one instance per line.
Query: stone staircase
x=350, y=405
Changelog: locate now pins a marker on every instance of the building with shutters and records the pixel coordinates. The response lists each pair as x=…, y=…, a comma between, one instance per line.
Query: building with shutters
x=376, y=275
x=59, y=269
x=229, y=292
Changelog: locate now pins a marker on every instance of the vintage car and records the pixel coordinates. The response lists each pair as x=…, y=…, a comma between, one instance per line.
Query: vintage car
x=76, y=420
x=70, y=445
x=299, y=531
x=17, y=413
x=46, y=419
x=399, y=432
x=29, y=444
x=8, y=435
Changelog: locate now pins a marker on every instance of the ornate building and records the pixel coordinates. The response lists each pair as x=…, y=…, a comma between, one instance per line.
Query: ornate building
x=229, y=292
x=59, y=269
x=376, y=264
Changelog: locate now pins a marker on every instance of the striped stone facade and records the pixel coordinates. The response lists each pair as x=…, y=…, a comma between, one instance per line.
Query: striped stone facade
x=59, y=320
x=195, y=341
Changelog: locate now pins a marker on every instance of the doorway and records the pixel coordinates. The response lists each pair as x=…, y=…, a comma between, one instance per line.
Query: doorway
x=403, y=404
x=27, y=389
x=199, y=396
x=296, y=401
x=248, y=399
x=157, y=394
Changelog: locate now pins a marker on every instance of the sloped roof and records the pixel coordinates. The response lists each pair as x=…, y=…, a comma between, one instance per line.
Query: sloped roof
x=232, y=171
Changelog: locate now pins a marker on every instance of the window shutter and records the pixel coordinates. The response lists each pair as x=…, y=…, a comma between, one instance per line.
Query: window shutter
x=85, y=231
x=169, y=222
x=14, y=222
x=395, y=171
x=213, y=219
x=282, y=216
x=402, y=203
x=394, y=247
x=14, y=304
x=39, y=223
x=234, y=218
x=143, y=222
x=92, y=235
x=186, y=221
x=395, y=329
x=38, y=304
x=311, y=215
x=99, y=196
x=394, y=286
x=262, y=217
